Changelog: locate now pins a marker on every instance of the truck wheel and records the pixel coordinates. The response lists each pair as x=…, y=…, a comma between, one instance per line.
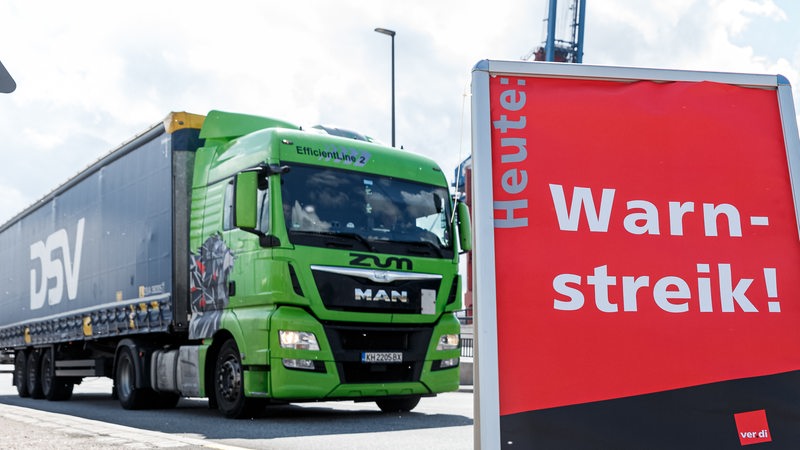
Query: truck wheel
x=229, y=384
x=398, y=404
x=130, y=397
x=21, y=373
x=53, y=388
x=34, y=374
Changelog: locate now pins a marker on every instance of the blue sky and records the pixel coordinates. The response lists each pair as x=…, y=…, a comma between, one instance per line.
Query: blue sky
x=91, y=74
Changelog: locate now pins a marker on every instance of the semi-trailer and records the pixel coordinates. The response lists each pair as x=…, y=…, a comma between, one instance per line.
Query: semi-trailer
x=242, y=259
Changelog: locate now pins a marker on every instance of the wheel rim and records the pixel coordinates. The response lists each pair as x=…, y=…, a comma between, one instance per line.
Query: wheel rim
x=229, y=379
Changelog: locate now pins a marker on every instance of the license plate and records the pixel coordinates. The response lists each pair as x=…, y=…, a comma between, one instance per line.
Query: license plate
x=382, y=357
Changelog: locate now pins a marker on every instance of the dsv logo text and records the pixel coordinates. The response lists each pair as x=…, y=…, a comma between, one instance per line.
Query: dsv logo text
x=62, y=267
x=362, y=260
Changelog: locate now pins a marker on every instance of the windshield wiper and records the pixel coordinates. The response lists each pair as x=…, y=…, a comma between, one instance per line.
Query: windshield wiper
x=334, y=234
x=426, y=244
x=355, y=236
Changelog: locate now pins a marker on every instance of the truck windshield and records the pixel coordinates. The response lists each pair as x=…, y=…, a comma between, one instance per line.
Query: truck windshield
x=346, y=209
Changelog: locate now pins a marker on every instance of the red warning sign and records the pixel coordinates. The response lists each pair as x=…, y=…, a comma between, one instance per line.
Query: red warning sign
x=645, y=238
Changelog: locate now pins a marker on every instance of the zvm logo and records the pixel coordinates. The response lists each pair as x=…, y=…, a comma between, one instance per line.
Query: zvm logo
x=62, y=267
x=363, y=260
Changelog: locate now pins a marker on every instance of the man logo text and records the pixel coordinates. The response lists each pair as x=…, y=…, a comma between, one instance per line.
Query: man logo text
x=381, y=296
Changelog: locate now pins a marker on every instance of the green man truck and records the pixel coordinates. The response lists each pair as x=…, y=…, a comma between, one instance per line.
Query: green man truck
x=242, y=259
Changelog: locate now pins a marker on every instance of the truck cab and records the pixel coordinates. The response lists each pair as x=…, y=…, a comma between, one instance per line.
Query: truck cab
x=324, y=268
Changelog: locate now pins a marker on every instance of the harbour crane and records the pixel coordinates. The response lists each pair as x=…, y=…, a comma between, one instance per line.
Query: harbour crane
x=562, y=48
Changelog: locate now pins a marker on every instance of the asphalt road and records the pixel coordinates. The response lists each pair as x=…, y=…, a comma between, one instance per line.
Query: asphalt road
x=92, y=420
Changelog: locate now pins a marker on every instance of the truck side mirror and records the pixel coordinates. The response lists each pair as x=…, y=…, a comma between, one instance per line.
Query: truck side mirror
x=245, y=195
x=464, y=227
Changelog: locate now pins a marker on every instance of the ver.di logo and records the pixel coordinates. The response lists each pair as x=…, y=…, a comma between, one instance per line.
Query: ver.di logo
x=752, y=427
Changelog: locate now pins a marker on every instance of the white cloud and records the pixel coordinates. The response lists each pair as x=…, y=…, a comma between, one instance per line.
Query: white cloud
x=691, y=34
x=91, y=75
x=735, y=15
x=12, y=201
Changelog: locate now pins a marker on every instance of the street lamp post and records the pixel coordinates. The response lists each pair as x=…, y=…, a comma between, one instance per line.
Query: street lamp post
x=391, y=34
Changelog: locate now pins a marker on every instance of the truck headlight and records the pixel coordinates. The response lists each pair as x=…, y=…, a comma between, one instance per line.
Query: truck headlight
x=298, y=340
x=448, y=342
x=304, y=364
x=445, y=363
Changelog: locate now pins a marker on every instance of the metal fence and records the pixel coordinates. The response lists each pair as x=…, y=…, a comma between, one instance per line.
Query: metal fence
x=466, y=347
x=465, y=316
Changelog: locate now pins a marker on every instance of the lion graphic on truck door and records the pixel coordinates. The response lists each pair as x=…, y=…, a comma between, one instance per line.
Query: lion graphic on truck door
x=209, y=270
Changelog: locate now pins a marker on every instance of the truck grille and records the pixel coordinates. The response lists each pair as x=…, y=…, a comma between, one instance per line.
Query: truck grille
x=348, y=343
x=349, y=289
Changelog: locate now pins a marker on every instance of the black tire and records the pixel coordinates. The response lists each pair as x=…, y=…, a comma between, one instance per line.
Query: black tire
x=21, y=373
x=130, y=397
x=53, y=388
x=34, y=374
x=403, y=404
x=229, y=385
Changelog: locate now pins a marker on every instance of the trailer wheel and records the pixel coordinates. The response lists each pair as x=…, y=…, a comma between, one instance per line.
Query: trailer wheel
x=21, y=373
x=53, y=388
x=229, y=384
x=130, y=397
x=34, y=378
x=398, y=404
